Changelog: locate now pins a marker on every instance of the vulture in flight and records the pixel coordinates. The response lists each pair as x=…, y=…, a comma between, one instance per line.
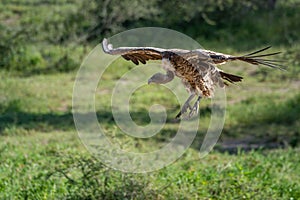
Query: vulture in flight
x=196, y=68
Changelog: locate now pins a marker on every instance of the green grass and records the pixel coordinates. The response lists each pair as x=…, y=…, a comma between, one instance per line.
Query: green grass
x=55, y=166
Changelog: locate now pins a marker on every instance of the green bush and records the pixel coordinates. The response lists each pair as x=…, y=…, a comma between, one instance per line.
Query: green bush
x=24, y=59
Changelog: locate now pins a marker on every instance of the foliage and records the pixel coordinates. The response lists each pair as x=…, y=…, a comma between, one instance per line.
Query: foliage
x=29, y=28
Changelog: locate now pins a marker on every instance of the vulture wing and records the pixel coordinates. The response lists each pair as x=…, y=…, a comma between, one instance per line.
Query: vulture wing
x=135, y=54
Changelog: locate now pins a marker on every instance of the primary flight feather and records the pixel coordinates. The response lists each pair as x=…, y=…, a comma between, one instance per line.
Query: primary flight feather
x=196, y=68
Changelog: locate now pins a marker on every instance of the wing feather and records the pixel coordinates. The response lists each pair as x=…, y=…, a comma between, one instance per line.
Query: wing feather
x=133, y=59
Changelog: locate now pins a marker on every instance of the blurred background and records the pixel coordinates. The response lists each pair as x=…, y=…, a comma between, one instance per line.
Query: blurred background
x=49, y=36
x=42, y=44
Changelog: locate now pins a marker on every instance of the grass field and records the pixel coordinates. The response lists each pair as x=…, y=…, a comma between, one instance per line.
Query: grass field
x=43, y=158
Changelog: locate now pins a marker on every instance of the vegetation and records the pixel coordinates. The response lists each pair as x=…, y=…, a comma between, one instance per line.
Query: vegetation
x=42, y=45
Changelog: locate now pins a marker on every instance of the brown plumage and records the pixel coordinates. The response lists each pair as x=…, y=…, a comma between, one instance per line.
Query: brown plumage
x=196, y=68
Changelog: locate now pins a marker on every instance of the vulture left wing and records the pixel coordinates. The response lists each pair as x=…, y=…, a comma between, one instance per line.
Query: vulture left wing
x=135, y=54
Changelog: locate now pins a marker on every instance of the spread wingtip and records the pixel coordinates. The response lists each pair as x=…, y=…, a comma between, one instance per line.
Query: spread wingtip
x=105, y=45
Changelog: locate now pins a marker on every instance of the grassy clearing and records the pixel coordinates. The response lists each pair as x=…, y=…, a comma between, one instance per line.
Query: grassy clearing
x=54, y=166
x=43, y=158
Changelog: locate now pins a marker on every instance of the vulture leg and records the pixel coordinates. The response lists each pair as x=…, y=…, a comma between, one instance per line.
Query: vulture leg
x=185, y=106
x=195, y=108
x=160, y=78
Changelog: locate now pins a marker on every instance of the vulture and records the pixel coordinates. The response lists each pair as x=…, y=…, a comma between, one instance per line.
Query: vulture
x=197, y=68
